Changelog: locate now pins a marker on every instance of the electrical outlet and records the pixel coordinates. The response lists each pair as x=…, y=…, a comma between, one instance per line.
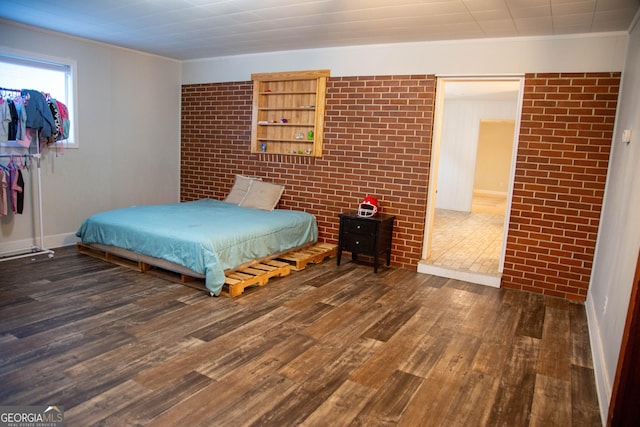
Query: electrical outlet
x=604, y=307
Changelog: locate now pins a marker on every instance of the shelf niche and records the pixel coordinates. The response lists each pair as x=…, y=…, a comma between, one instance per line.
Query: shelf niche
x=288, y=112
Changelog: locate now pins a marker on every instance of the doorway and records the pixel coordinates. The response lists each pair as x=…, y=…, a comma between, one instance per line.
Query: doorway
x=472, y=170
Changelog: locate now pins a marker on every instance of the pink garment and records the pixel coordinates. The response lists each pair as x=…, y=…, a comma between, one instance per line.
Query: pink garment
x=64, y=113
x=3, y=193
x=28, y=136
x=15, y=189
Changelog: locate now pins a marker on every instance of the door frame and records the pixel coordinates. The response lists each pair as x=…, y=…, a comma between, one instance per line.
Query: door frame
x=623, y=408
x=441, y=82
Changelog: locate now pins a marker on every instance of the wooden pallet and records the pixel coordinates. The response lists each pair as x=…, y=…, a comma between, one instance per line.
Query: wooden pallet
x=111, y=258
x=256, y=274
x=313, y=254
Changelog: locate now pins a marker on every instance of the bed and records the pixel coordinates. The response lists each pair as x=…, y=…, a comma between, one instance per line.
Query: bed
x=203, y=238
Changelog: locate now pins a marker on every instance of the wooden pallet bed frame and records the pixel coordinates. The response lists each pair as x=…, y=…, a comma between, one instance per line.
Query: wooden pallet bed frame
x=313, y=254
x=254, y=273
x=236, y=280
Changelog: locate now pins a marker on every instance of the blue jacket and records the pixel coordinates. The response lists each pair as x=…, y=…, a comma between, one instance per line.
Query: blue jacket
x=38, y=112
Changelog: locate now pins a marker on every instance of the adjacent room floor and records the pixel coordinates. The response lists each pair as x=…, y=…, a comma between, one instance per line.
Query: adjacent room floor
x=467, y=241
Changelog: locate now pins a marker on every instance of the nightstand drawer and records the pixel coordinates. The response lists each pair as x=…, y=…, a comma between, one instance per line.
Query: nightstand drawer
x=360, y=227
x=362, y=243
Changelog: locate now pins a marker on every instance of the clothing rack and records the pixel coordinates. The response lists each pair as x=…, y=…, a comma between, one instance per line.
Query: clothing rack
x=34, y=249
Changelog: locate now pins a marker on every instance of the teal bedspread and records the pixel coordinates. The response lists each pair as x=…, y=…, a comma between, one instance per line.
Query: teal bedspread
x=207, y=236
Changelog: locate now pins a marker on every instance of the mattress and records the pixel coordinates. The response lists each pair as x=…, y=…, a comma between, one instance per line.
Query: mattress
x=206, y=236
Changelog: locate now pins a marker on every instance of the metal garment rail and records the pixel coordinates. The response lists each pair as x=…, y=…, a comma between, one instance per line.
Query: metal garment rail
x=33, y=250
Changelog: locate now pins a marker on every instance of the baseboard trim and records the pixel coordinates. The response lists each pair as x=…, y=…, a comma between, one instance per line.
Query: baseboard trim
x=604, y=386
x=54, y=241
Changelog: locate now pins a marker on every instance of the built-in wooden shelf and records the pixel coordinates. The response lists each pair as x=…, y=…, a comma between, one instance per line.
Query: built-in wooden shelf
x=288, y=112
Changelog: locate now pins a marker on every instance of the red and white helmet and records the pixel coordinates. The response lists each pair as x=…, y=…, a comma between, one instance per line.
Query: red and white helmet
x=368, y=207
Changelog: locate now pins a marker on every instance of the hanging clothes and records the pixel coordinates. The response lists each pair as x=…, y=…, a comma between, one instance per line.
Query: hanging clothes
x=4, y=201
x=31, y=125
x=64, y=118
x=38, y=113
x=15, y=119
x=19, y=189
x=53, y=107
x=20, y=122
x=5, y=121
x=12, y=180
x=16, y=188
x=33, y=110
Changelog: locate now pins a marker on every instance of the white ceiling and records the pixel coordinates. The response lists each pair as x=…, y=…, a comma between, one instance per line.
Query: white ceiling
x=191, y=29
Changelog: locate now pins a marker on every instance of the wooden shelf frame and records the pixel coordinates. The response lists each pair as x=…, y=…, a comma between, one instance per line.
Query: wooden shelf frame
x=286, y=104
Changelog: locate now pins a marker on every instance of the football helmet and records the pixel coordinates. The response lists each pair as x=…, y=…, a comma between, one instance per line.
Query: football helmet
x=368, y=207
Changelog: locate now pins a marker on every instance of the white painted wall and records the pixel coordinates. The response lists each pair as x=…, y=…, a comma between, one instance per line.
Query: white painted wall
x=619, y=234
x=458, y=147
x=494, y=155
x=582, y=53
x=128, y=118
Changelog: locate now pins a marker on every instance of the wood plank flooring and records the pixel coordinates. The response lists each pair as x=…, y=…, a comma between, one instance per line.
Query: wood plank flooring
x=327, y=345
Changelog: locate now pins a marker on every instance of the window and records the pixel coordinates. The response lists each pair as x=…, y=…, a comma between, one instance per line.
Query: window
x=52, y=76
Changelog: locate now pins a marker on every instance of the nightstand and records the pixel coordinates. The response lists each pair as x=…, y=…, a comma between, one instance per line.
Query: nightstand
x=368, y=236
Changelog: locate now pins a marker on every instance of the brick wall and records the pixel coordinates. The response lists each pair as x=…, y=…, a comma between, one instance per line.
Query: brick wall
x=377, y=142
x=562, y=161
x=215, y=136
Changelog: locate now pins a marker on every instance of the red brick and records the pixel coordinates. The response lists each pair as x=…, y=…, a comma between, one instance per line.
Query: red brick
x=577, y=246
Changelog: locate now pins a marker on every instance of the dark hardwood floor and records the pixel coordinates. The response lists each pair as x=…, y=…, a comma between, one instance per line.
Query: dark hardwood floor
x=324, y=346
